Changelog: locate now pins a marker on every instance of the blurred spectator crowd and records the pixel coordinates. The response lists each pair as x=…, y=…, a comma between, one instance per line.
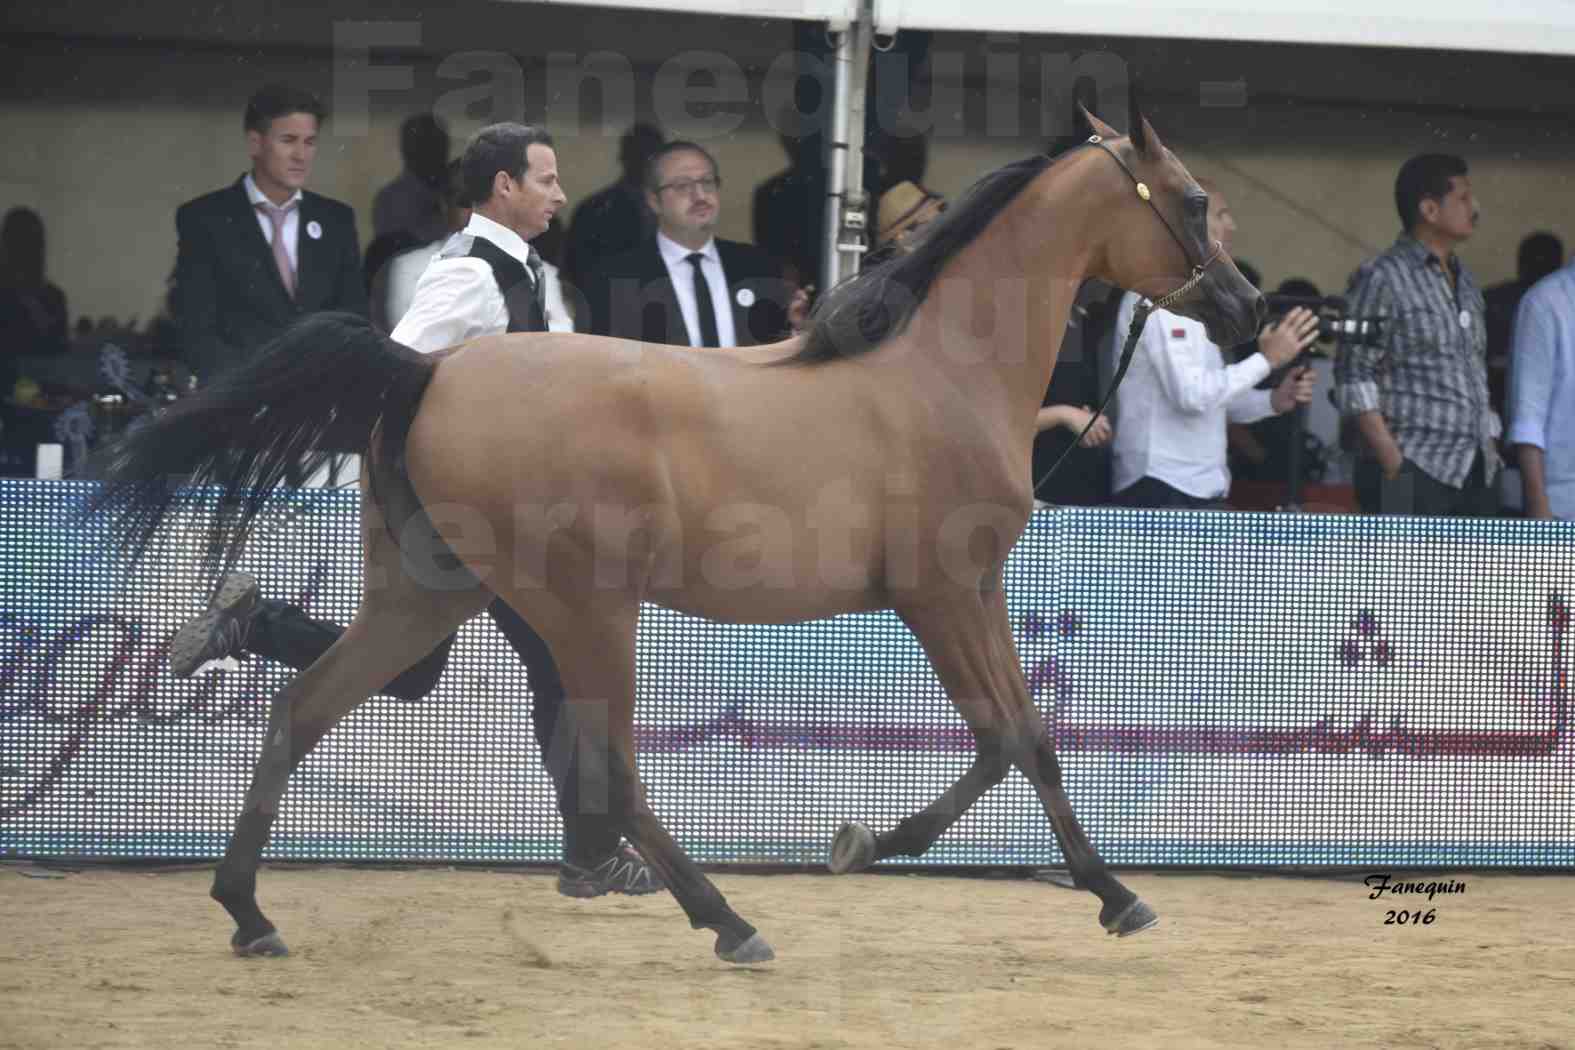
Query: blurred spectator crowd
x=1449, y=385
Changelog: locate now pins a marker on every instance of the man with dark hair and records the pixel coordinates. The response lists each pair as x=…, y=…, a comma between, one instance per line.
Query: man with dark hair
x=413, y=203
x=509, y=172
x=485, y=281
x=685, y=286
x=258, y=254
x=614, y=219
x=1539, y=255
x=1420, y=397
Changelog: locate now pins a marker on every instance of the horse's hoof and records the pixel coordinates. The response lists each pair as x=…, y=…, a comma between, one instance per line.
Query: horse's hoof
x=853, y=849
x=754, y=950
x=1134, y=918
x=269, y=944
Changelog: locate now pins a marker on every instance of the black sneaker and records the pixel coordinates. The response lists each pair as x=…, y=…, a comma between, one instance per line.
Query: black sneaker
x=220, y=631
x=623, y=872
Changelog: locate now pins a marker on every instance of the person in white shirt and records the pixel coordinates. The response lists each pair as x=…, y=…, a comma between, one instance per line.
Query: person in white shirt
x=1172, y=408
x=394, y=287
x=485, y=281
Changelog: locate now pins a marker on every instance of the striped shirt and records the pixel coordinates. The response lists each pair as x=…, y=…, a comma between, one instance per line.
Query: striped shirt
x=1428, y=375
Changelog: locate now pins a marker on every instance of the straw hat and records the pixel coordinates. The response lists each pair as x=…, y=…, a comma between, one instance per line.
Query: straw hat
x=904, y=208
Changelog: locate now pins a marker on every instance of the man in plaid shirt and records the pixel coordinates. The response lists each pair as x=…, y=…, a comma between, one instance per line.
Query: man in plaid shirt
x=1420, y=398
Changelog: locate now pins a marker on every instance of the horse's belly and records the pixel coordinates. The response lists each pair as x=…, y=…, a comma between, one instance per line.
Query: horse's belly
x=761, y=603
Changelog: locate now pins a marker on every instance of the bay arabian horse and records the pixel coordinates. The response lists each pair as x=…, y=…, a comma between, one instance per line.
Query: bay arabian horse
x=880, y=459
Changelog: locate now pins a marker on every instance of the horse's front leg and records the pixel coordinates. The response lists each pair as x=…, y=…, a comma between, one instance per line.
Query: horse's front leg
x=1121, y=911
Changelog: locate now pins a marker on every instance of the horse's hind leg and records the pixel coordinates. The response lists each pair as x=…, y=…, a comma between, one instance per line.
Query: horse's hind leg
x=856, y=846
x=399, y=621
x=961, y=673
x=595, y=651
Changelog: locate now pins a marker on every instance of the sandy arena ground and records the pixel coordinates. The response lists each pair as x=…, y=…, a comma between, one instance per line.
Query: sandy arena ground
x=477, y=959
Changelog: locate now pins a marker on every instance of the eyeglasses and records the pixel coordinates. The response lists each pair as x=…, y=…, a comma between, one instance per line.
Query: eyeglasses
x=708, y=185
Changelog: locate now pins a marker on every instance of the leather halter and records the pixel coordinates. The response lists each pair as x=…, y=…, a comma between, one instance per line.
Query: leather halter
x=1198, y=268
x=1144, y=307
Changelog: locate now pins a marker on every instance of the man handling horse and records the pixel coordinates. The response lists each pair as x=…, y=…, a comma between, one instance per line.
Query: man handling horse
x=486, y=280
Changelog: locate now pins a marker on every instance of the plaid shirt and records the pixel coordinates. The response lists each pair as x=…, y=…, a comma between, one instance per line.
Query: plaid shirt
x=1428, y=377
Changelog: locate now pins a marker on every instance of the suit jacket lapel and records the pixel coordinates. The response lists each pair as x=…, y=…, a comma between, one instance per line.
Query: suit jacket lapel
x=311, y=257
x=732, y=273
x=656, y=274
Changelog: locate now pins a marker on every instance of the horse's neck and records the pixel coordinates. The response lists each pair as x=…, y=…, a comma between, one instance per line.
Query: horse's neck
x=992, y=324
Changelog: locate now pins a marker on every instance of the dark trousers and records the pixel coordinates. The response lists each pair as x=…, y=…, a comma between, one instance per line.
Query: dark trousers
x=284, y=633
x=1154, y=493
x=1415, y=492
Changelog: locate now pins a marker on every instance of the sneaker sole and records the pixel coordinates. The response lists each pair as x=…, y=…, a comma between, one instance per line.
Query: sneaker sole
x=238, y=596
x=581, y=890
x=587, y=891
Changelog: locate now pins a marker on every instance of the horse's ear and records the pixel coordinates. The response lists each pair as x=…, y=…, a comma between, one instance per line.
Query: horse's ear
x=1137, y=124
x=1101, y=129
x=1151, y=143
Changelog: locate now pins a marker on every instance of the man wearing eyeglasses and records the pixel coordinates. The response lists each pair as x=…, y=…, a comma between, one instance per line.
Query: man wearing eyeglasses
x=685, y=286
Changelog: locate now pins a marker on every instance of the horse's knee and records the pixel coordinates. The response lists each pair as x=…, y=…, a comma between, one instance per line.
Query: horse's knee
x=994, y=753
x=1045, y=762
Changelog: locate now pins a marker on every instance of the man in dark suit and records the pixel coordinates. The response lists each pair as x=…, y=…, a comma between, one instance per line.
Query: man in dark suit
x=685, y=286
x=262, y=252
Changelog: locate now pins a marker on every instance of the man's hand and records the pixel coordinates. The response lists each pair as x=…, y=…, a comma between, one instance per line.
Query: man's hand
x=1295, y=389
x=1074, y=418
x=798, y=309
x=1098, y=434
x=1280, y=343
x=1391, y=460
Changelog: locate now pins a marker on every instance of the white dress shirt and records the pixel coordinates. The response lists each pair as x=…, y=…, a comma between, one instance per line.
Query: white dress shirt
x=398, y=282
x=676, y=256
x=458, y=299
x=1172, y=408
x=292, y=221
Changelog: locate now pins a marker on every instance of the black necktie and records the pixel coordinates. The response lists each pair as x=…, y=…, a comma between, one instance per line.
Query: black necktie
x=703, y=307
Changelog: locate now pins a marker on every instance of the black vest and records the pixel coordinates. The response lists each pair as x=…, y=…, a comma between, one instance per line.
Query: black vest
x=526, y=299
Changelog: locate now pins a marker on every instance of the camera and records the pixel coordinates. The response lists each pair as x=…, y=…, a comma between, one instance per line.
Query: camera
x=1335, y=324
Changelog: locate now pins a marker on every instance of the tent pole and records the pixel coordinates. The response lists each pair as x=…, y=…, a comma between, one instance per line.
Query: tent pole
x=847, y=204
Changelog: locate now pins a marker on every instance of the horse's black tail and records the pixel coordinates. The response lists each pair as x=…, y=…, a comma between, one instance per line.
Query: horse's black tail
x=323, y=386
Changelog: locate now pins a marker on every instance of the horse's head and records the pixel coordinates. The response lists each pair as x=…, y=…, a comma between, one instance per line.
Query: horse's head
x=1162, y=246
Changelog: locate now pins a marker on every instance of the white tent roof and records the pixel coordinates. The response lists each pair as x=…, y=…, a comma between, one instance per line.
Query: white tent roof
x=809, y=10
x=1540, y=26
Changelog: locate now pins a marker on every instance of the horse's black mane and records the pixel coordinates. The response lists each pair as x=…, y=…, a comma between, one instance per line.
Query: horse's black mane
x=864, y=311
